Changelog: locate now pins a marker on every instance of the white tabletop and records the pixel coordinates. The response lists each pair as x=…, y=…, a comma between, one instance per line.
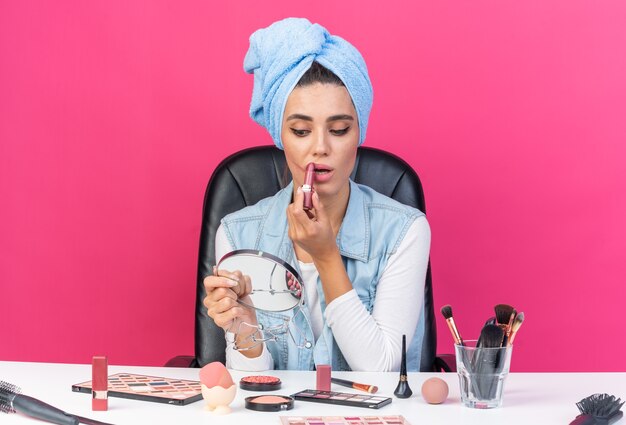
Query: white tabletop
x=537, y=398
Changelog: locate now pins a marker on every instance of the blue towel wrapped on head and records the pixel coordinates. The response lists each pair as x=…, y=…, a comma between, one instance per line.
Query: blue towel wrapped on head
x=280, y=54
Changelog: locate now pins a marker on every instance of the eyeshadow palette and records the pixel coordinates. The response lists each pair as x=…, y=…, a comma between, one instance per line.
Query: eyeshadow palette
x=344, y=420
x=358, y=400
x=149, y=388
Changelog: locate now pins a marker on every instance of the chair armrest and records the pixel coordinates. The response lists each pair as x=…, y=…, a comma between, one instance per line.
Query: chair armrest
x=181, y=361
x=445, y=363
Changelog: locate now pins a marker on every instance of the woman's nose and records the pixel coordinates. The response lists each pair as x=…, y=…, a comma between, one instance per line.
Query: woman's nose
x=321, y=146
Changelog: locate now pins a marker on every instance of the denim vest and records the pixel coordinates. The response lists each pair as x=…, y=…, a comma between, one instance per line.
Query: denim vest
x=372, y=229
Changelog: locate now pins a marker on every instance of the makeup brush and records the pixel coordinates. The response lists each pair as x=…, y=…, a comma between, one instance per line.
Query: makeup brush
x=485, y=361
x=508, y=327
x=446, y=310
x=490, y=337
x=372, y=389
x=517, y=323
x=598, y=409
x=11, y=401
x=403, y=390
x=503, y=313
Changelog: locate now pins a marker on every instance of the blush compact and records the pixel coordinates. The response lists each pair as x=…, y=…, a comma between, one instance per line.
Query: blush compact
x=259, y=383
x=269, y=403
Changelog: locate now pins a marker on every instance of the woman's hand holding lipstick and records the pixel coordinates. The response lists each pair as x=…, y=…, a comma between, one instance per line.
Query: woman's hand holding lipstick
x=313, y=233
x=317, y=238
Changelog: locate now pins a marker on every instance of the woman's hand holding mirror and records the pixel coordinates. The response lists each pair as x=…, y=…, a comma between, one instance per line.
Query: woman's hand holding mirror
x=222, y=300
x=224, y=290
x=267, y=284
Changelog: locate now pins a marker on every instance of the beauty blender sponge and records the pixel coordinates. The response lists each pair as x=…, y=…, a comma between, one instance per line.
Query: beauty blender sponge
x=435, y=390
x=214, y=374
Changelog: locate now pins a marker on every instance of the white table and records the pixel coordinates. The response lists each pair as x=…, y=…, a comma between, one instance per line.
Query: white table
x=530, y=398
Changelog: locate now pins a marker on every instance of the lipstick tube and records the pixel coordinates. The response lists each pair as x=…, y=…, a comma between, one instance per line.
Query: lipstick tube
x=307, y=187
x=323, y=378
x=99, y=383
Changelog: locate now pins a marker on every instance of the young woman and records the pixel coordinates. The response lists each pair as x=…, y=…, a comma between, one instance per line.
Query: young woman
x=362, y=256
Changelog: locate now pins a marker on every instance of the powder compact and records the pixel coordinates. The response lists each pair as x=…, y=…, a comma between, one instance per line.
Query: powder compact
x=269, y=403
x=259, y=383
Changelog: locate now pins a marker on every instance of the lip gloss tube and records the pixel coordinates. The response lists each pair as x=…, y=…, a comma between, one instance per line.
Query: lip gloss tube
x=307, y=187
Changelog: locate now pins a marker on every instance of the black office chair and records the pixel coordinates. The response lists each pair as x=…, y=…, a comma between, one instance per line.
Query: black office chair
x=252, y=174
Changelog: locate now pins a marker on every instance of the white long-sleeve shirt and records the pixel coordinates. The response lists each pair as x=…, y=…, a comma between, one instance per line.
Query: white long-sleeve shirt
x=369, y=342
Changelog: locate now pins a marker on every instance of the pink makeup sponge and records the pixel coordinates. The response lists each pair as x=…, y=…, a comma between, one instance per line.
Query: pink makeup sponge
x=435, y=390
x=215, y=374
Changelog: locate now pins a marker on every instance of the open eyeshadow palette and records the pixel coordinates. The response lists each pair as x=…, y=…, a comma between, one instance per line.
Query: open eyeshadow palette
x=344, y=420
x=149, y=388
x=347, y=399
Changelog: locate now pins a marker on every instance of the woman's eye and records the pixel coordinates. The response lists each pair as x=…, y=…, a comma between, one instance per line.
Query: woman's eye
x=300, y=133
x=340, y=132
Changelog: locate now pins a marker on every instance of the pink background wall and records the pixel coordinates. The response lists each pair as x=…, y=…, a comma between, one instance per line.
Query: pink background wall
x=113, y=115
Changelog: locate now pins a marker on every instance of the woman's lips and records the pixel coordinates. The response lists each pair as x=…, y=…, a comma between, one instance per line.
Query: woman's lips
x=323, y=173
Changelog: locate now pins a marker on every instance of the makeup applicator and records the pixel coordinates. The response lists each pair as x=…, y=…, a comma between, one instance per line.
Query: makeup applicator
x=517, y=323
x=485, y=362
x=372, y=389
x=446, y=310
x=503, y=314
x=403, y=390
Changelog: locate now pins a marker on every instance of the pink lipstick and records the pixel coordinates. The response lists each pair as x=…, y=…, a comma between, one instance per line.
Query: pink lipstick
x=307, y=187
x=99, y=383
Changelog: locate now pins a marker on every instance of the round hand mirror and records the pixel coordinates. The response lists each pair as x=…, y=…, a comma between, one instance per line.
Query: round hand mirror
x=276, y=286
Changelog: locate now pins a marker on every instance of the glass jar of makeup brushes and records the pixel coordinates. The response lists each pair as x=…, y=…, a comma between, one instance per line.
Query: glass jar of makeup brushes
x=482, y=373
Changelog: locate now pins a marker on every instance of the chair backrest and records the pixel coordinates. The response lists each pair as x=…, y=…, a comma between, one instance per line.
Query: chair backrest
x=252, y=174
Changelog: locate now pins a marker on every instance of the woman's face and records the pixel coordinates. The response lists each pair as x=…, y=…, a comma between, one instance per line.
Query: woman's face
x=320, y=125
